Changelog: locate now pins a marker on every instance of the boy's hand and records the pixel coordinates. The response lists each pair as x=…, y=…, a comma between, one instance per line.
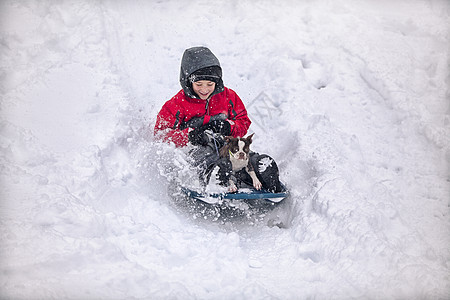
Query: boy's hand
x=198, y=137
x=220, y=126
x=200, y=121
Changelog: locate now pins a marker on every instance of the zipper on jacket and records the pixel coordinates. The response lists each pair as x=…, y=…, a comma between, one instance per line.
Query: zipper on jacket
x=207, y=106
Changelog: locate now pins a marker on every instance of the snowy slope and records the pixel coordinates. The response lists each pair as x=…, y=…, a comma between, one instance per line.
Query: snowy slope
x=350, y=97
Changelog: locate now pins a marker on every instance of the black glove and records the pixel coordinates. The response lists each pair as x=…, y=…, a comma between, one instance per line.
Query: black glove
x=198, y=137
x=219, y=126
x=198, y=121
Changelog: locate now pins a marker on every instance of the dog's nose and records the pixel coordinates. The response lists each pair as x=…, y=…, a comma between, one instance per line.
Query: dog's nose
x=241, y=155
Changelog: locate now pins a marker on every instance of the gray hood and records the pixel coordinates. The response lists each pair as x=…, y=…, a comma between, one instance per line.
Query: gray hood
x=195, y=59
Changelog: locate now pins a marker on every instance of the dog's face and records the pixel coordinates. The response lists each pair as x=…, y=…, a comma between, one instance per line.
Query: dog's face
x=238, y=148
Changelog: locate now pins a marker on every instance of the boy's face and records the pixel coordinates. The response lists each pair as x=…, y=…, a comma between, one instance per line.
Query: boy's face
x=203, y=88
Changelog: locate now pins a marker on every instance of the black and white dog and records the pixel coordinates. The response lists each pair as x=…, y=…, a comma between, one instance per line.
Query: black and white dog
x=237, y=151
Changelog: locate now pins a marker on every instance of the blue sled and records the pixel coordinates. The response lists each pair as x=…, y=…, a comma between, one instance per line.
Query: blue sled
x=245, y=194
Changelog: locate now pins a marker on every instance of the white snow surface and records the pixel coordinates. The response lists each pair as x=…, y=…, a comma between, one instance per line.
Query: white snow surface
x=349, y=97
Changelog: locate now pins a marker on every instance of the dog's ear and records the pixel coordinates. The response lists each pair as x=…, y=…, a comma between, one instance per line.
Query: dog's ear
x=223, y=152
x=227, y=139
x=249, y=138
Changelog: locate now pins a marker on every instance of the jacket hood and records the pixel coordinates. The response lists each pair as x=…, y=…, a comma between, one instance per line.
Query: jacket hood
x=195, y=59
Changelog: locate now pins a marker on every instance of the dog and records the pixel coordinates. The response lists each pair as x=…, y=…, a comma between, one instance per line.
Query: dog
x=237, y=151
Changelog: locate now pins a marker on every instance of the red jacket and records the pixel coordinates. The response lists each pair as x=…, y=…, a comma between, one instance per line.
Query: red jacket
x=181, y=109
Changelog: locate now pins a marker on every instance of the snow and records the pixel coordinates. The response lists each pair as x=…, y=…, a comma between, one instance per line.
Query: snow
x=355, y=103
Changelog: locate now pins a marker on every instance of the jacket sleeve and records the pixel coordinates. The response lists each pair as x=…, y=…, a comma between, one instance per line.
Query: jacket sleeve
x=237, y=115
x=167, y=125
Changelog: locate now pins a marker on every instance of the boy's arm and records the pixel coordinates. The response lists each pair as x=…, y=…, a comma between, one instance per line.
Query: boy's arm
x=167, y=125
x=238, y=117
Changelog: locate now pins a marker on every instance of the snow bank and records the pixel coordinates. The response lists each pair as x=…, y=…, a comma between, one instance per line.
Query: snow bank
x=350, y=98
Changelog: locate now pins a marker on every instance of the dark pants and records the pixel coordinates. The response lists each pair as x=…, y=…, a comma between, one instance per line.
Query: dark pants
x=205, y=159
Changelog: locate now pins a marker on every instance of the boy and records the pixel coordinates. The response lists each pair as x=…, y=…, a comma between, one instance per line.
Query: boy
x=203, y=112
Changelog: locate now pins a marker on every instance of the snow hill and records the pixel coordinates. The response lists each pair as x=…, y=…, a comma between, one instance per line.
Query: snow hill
x=350, y=97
